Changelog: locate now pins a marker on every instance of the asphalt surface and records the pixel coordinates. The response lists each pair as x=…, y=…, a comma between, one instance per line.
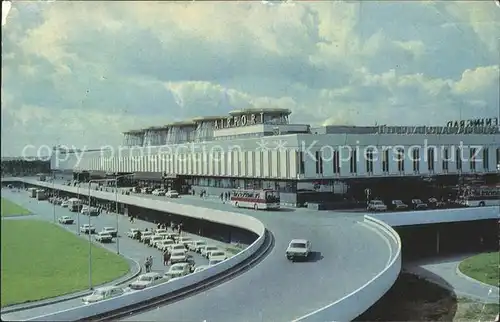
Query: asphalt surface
x=444, y=272
x=133, y=249
x=347, y=255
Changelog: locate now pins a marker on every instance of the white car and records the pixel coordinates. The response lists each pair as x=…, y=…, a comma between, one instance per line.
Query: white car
x=176, y=247
x=87, y=229
x=196, y=245
x=205, y=252
x=64, y=204
x=103, y=293
x=178, y=270
x=110, y=230
x=104, y=237
x=418, y=204
x=146, y=236
x=146, y=280
x=172, y=194
x=66, y=220
x=214, y=261
x=153, y=240
x=164, y=235
x=158, y=192
x=85, y=210
x=178, y=256
x=376, y=205
x=200, y=268
x=164, y=244
x=132, y=233
x=217, y=254
x=160, y=231
x=185, y=241
x=298, y=249
x=399, y=205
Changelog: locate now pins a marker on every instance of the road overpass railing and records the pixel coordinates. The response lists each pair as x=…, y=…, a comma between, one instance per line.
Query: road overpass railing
x=356, y=303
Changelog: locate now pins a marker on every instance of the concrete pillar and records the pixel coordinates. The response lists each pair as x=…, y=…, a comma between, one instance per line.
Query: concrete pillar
x=437, y=242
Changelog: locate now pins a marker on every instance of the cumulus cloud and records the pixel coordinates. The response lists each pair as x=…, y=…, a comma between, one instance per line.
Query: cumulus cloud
x=85, y=71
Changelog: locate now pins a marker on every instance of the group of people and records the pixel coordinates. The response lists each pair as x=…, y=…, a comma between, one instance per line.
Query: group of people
x=148, y=263
x=225, y=196
x=166, y=254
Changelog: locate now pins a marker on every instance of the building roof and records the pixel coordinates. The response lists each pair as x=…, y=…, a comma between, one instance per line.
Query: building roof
x=273, y=110
x=208, y=118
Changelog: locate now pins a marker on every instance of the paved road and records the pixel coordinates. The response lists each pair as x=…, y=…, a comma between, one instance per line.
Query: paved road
x=349, y=255
x=446, y=269
x=130, y=248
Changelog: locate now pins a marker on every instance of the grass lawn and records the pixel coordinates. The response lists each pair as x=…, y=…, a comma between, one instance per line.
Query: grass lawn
x=41, y=260
x=11, y=209
x=483, y=267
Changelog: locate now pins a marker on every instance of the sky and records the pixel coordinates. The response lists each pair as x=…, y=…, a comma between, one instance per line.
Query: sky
x=81, y=73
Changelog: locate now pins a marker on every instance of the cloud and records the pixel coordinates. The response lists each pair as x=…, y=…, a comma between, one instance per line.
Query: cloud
x=84, y=71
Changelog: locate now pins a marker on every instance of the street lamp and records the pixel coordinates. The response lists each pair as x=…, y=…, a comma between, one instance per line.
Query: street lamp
x=116, y=210
x=90, y=238
x=78, y=212
x=54, y=195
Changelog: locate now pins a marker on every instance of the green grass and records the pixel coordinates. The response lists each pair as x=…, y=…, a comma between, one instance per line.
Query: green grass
x=483, y=267
x=11, y=209
x=469, y=310
x=42, y=260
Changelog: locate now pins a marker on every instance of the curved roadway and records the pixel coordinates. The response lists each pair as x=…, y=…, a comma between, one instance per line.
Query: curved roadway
x=349, y=254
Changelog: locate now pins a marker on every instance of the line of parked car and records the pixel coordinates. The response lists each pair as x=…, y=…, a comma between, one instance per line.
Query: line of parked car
x=399, y=205
x=156, y=192
x=182, y=263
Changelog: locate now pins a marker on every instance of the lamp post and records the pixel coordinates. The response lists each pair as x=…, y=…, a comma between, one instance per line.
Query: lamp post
x=90, y=239
x=116, y=210
x=54, y=196
x=78, y=212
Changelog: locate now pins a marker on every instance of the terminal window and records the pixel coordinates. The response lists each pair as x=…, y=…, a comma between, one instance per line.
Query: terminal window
x=486, y=158
x=445, y=159
x=458, y=158
x=472, y=158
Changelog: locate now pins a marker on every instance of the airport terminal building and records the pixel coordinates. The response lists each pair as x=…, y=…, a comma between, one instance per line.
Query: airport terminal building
x=261, y=149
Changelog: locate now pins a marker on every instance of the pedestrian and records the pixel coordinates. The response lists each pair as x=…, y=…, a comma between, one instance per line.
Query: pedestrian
x=222, y=197
x=166, y=257
x=150, y=263
x=147, y=264
x=158, y=226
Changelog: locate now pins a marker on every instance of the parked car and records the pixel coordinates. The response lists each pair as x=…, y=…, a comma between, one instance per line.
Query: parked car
x=146, y=236
x=164, y=244
x=200, y=268
x=399, y=205
x=111, y=230
x=178, y=270
x=172, y=194
x=215, y=261
x=418, y=204
x=146, y=190
x=133, y=233
x=434, y=203
x=185, y=241
x=376, y=205
x=158, y=192
x=64, y=204
x=87, y=229
x=146, y=280
x=178, y=256
x=103, y=293
x=218, y=254
x=153, y=240
x=176, y=247
x=298, y=249
x=66, y=220
x=104, y=237
x=205, y=252
x=197, y=245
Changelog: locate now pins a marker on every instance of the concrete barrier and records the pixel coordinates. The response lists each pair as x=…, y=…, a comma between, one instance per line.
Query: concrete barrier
x=357, y=302
x=128, y=299
x=409, y=218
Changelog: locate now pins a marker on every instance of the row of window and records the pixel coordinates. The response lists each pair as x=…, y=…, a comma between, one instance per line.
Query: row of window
x=416, y=160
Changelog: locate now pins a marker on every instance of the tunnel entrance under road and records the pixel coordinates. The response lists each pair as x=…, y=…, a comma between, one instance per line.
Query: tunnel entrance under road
x=437, y=240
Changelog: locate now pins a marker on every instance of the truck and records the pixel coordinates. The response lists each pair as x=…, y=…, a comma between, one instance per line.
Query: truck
x=32, y=192
x=74, y=204
x=41, y=195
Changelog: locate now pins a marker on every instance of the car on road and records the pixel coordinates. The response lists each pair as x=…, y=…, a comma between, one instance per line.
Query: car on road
x=103, y=293
x=172, y=194
x=146, y=236
x=133, y=233
x=217, y=254
x=178, y=270
x=418, y=204
x=111, y=230
x=87, y=229
x=197, y=245
x=436, y=204
x=376, y=205
x=205, y=252
x=146, y=280
x=178, y=256
x=298, y=249
x=398, y=205
x=176, y=247
x=65, y=204
x=158, y=192
x=66, y=220
x=104, y=237
x=146, y=190
x=164, y=244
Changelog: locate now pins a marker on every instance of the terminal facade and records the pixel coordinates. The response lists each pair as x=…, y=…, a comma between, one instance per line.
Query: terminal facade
x=261, y=149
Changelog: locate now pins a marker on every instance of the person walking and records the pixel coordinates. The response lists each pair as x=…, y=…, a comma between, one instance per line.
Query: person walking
x=147, y=265
x=166, y=257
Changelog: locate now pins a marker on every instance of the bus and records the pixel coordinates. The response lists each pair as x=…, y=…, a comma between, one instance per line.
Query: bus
x=481, y=196
x=74, y=204
x=41, y=195
x=256, y=199
x=32, y=192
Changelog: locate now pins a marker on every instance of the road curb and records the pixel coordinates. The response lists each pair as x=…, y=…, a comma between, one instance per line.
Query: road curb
x=134, y=271
x=473, y=280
